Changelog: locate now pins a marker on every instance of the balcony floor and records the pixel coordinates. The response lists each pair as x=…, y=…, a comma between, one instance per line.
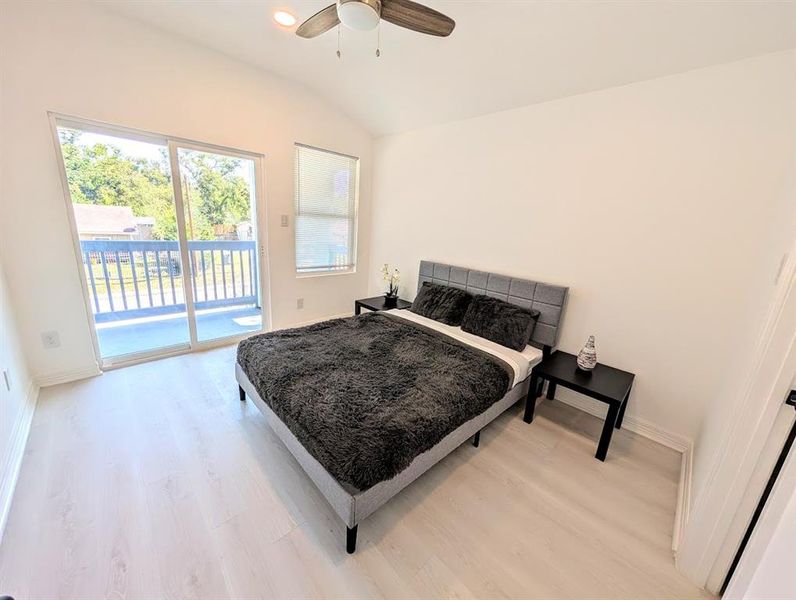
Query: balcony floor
x=145, y=335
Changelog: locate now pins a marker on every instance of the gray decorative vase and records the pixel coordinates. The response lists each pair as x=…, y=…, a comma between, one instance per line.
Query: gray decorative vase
x=587, y=357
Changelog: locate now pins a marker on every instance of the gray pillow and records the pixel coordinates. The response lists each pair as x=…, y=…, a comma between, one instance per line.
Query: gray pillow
x=500, y=322
x=441, y=303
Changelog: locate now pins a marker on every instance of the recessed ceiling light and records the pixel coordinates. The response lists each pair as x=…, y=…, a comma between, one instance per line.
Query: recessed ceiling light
x=284, y=18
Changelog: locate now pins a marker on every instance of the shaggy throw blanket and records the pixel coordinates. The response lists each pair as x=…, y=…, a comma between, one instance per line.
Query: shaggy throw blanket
x=365, y=395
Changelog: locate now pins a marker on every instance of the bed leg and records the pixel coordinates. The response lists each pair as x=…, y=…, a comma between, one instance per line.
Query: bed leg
x=477, y=438
x=351, y=539
x=242, y=394
x=530, y=400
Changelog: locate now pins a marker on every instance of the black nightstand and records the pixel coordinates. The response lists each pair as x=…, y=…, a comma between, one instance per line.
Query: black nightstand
x=377, y=303
x=604, y=383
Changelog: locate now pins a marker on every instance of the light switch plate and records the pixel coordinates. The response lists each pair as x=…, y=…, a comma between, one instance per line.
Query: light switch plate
x=284, y=221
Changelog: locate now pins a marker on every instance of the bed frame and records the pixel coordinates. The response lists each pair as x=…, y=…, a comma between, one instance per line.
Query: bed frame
x=353, y=505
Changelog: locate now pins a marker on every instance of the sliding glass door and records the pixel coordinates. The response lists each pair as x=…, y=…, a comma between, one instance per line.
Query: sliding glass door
x=218, y=198
x=125, y=216
x=167, y=237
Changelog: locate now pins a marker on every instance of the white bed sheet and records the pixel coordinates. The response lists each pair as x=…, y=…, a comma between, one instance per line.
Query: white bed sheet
x=520, y=362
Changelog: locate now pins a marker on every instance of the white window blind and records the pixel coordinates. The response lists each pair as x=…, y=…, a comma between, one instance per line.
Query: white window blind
x=326, y=191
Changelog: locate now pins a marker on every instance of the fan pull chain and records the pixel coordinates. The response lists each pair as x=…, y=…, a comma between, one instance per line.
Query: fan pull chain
x=378, y=40
x=338, y=42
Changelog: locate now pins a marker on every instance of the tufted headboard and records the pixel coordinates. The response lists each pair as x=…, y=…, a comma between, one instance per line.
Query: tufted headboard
x=549, y=300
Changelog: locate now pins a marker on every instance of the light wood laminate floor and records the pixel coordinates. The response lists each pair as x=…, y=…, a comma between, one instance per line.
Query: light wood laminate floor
x=155, y=481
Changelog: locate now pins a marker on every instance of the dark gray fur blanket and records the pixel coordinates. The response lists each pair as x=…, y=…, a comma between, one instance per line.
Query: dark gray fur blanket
x=365, y=395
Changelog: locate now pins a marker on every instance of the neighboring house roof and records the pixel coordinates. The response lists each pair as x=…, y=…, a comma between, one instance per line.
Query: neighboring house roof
x=94, y=218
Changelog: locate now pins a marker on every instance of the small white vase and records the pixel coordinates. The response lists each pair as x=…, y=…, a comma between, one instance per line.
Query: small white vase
x=587, y=357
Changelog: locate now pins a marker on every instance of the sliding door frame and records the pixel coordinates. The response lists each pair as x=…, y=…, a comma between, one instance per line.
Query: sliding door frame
x=174, y=147
x=172, y=143
x=182, y=235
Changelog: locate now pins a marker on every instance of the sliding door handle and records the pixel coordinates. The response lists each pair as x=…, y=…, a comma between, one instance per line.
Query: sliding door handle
x=791, y=399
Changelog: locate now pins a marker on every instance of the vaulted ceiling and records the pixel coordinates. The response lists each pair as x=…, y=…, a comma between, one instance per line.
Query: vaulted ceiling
x=503, y=54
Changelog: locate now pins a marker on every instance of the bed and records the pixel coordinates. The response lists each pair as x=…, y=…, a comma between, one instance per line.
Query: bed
x=368, y=404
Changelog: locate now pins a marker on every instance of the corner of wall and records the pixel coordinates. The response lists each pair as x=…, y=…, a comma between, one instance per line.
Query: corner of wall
x=683, y=507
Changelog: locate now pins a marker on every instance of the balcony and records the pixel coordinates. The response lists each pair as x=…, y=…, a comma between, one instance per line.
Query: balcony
x=137, y=296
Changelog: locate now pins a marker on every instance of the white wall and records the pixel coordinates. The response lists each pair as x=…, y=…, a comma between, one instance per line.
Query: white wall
x=723, y=408
x=16, y=403
x=658, y=203
x=739, y=460
x=79, y=60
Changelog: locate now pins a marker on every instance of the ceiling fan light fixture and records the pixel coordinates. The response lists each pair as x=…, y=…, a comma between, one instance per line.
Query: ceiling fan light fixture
x=362, y=15
x=284, y=18
x=366, y=15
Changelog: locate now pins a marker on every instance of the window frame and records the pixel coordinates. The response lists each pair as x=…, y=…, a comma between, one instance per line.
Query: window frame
x=354, y=217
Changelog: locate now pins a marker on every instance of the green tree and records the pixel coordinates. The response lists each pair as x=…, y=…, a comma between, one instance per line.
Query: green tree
x=215, y=193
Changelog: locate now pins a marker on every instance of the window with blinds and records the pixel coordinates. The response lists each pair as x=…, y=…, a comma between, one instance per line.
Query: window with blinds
x=326, y=193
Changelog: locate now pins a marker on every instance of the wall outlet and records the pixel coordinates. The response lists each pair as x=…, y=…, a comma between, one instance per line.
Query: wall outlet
x=50, y=339
x=284, y=221
x=7, y=379
x=299, y=302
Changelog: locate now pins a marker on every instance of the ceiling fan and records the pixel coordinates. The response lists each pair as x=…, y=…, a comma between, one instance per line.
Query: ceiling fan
x=365, y=15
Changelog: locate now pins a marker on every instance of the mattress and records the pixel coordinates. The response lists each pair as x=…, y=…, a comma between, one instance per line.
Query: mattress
x=520, y=362
x=353, y=505
x=366, y=395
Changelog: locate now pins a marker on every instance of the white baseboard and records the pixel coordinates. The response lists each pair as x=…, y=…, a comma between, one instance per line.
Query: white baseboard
x=657, y=434
x=67, y=376
x=94, y=370
x=631, y=423
x=683, y=497
x=16, y=451
x=661, y=436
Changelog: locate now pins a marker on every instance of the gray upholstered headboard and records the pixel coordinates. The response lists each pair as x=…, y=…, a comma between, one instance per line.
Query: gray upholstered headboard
x=548, y=299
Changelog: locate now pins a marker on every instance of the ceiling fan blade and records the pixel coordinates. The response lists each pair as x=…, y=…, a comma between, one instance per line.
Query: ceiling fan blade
x=416, y=17
x=319, y=23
